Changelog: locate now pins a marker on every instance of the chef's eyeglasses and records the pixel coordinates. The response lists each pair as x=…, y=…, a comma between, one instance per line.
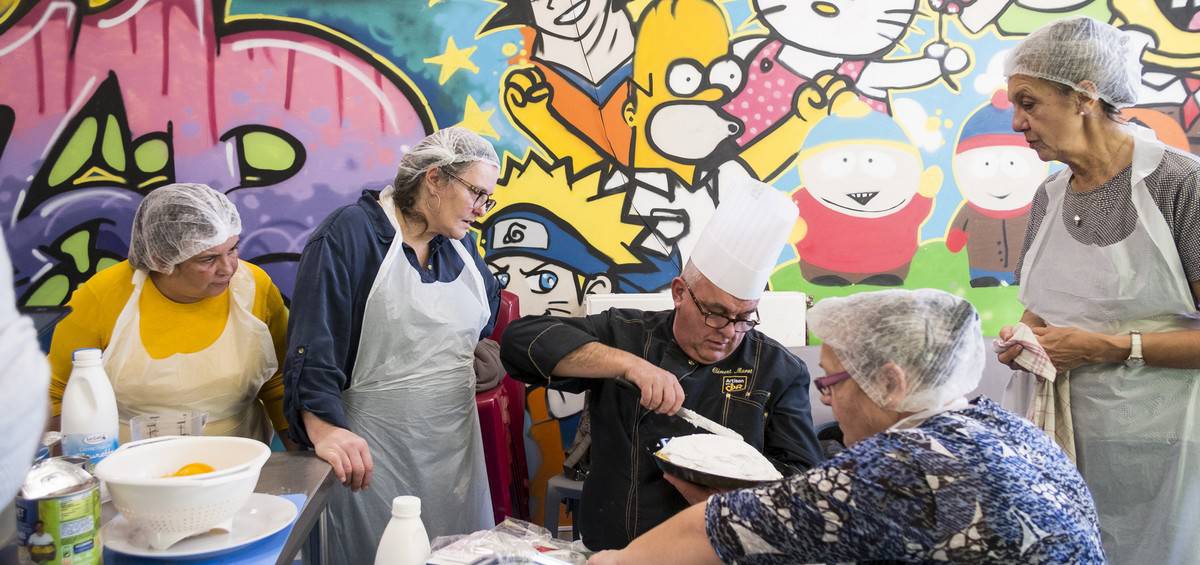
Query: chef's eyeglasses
x=824, y=384
x=717, y=321
x=482, y=198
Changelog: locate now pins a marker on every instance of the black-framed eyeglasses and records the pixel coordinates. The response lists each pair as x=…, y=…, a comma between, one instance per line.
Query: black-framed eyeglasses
x=825, y=383
x=482, y=198
x=718, y=321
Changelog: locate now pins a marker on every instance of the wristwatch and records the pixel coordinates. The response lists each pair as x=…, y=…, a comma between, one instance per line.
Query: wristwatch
x=1135, y=359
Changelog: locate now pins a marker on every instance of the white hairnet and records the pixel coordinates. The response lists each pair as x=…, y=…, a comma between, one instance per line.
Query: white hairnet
x=177, y=222
x=1073, y=50
x=933, y=336
x=442, y=148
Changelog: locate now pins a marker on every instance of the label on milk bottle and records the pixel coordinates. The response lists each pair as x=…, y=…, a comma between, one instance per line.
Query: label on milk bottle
x=93, y=446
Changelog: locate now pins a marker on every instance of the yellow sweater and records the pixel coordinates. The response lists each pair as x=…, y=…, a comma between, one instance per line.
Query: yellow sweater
x=167, y=327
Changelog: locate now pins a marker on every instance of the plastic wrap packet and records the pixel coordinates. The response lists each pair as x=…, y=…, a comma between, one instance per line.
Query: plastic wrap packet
x=510, y=542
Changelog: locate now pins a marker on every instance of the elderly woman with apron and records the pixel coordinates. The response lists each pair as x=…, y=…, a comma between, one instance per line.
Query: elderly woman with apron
x=390, y=302
x=184, y=324
x=1110, y=278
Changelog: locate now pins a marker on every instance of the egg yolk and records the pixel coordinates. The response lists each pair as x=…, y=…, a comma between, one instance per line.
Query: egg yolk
x=192, y=469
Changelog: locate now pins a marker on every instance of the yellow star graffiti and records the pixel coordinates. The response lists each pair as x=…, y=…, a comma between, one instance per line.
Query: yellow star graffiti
x=478, y=120
x=433, y=3
x=452, y=60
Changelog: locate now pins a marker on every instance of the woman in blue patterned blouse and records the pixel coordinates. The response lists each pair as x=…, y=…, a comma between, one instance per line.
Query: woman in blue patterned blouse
x=927, y=475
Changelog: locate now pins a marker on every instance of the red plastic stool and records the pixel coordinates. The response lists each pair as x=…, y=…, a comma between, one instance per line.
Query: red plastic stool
x=492, y=425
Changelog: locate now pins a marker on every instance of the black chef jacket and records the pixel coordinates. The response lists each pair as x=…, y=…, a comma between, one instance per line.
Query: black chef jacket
x=760, y=390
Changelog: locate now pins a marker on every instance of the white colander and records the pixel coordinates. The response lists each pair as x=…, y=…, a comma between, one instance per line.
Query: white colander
x=168, y=509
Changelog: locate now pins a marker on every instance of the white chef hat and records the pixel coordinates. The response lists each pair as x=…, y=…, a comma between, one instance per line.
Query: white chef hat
x=740, y=245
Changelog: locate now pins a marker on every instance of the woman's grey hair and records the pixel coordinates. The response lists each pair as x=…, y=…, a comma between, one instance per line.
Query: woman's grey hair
x=453, y=150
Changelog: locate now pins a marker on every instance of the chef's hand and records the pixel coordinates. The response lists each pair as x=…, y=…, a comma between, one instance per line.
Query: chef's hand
x=1009, y=355
x=1069, y=348
x=691, y=492
x=660, y=389
x=343, y=449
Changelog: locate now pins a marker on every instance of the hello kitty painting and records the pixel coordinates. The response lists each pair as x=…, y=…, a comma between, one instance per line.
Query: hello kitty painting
x=850, y=37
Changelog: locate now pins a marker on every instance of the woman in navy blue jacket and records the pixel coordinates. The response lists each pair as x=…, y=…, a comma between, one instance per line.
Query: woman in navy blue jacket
x=390, y=301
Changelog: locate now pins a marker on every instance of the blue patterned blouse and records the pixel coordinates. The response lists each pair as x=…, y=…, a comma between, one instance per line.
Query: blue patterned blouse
x=977, y=485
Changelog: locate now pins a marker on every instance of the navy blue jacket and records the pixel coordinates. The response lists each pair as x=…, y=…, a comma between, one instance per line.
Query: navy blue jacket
x=336, y=271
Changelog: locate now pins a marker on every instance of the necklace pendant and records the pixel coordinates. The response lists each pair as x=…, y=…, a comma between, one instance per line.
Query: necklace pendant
x=1078, y=220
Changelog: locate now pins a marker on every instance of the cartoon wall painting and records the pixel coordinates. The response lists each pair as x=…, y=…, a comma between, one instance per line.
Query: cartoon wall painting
x=289, y=118
x=681, y=72
x=568, y=98
x=551, y=240
x=681, y=155
x=1020, y=17
x=852, y=38
x=865, y=193
x=997, y=174
x=544, y=449
x=1166, y=127
x=1169, y=34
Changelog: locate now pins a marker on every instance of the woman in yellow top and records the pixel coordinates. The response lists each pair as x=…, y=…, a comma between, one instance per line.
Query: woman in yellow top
x=184, y=324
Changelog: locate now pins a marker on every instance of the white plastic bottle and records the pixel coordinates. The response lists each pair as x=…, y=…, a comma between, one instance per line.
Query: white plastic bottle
x=404, y=541
x=89, y=409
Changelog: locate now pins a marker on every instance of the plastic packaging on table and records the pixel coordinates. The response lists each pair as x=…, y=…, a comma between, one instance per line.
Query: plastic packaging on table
x=511, y=541
x=185, y=423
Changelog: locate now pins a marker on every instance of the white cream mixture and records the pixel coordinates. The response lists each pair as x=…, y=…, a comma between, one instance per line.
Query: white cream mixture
x=721, y=456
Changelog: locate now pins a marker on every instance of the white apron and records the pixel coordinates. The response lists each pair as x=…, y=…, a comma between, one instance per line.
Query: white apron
x=223, y=379
x=1136, y=434
x=412, y=398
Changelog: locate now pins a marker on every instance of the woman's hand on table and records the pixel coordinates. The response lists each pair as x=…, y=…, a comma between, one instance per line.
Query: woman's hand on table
x=343, y=449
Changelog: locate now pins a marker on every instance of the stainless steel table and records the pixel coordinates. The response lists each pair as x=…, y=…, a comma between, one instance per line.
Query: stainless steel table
x=293, y=472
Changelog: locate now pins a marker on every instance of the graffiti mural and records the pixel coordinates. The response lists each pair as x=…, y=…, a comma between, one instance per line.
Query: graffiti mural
x=568, y=95
x=865, y=195
x=621, y=125
x=289, y=118
x=1169, y=32
x=997, y=174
